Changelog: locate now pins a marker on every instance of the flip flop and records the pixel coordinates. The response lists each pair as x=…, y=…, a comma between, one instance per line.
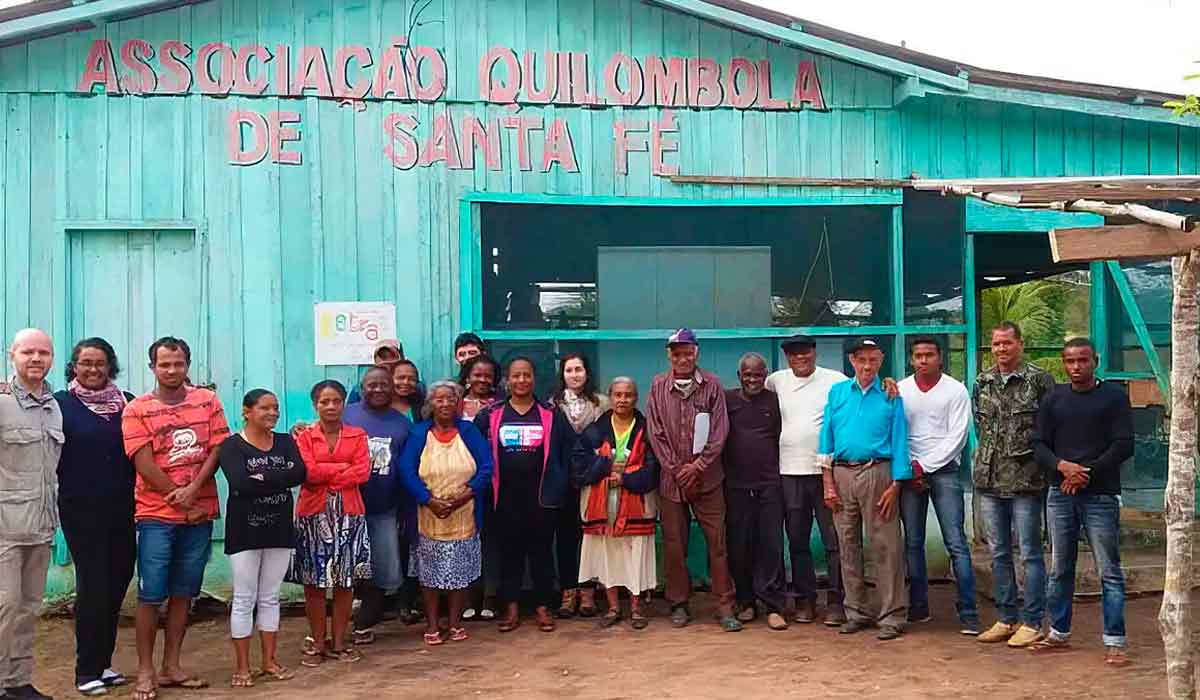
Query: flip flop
x=242, y=680
x=142, y=692
x=1116, y=657
x=459, y=634
x=189, y=683
x=346, y=655
x=281, y=673
x=312, y=660
x=433, y=639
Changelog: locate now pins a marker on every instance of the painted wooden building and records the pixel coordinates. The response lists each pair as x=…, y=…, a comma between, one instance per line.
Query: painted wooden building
x=555, y=175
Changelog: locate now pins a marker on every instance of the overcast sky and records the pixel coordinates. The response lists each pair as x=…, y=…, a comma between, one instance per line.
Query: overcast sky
x=1148, y=44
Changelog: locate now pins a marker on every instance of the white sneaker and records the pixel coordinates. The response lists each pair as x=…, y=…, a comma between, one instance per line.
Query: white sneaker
x=113, y=678
x=92, y=688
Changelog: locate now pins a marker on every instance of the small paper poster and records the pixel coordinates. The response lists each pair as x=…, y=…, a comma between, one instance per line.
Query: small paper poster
x=348, y=332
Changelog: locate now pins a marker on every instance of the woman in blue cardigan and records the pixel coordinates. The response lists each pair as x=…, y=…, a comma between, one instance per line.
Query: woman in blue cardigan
x=446, y=466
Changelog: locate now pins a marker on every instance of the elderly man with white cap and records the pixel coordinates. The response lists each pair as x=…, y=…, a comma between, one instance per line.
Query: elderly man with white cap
x=688, y=425
x=31, y=440
x=864, y=449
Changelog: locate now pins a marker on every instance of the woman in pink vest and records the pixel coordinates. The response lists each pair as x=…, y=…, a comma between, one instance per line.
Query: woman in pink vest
x=531, y=450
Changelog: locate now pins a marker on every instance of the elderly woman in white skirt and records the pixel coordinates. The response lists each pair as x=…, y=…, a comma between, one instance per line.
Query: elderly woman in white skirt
x=618, y=473
x=446, y=465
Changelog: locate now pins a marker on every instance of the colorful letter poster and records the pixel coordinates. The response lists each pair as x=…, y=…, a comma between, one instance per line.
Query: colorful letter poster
x=348, y=332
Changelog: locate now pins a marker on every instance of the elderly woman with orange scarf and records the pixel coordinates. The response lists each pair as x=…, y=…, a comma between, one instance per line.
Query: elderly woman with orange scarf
x=618, y=473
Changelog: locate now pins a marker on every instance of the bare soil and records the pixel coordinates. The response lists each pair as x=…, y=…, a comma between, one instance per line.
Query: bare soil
x=932, y=660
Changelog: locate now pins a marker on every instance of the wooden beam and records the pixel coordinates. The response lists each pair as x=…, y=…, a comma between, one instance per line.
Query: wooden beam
x=882, y=183
x=1132, y=242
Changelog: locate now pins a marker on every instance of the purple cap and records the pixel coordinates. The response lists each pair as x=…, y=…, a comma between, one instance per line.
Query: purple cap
x=683, y=336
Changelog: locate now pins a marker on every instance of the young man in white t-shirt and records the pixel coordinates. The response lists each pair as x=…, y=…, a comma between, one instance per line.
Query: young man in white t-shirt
x=938, y=409
x=803, y=390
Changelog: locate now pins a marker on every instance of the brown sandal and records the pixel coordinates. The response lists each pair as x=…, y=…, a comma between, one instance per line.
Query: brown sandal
x=511, y=619
x=544, y=621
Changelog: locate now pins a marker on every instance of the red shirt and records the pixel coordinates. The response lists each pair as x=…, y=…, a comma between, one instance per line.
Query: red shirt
x=342, y=469
x=180, y=436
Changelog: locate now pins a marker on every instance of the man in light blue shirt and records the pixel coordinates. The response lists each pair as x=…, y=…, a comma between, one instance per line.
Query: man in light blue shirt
x=864, y=454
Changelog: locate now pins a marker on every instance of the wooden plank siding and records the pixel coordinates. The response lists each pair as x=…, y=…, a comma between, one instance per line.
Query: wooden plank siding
x=347, y=225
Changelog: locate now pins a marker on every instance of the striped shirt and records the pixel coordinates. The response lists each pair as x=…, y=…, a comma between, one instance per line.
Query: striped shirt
x=671, y=416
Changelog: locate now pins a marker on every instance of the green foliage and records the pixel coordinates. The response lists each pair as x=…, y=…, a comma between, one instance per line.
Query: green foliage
x=1048, y=311
x=1188, y=106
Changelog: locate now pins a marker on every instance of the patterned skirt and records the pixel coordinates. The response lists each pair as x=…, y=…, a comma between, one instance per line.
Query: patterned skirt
x=333, y=549
x=446, y=565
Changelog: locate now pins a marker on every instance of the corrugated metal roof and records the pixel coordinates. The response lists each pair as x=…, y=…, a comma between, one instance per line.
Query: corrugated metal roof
x=975, y=74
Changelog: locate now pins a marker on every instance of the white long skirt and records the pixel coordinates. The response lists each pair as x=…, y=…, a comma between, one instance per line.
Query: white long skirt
x=619, y=561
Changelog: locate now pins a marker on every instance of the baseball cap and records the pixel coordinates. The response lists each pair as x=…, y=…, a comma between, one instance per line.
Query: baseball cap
x=389, y=344
x=862, y=344
x=798, y=342
x=683, y=336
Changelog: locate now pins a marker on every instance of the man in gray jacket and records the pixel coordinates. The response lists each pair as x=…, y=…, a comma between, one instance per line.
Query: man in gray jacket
x=31, y=439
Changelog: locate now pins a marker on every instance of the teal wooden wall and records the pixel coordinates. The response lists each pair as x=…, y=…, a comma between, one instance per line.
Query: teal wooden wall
x=347, y=225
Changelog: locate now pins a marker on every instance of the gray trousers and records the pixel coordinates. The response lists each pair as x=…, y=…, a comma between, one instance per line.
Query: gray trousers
x=859, y=489
x=22, y=583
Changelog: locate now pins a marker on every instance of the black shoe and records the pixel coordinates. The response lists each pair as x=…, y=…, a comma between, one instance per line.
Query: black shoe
x=680, y=617
x=854, y=626
x=25, y=692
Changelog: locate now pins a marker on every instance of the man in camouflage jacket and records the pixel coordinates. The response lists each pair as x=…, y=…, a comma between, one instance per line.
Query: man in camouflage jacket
x=1009, y=483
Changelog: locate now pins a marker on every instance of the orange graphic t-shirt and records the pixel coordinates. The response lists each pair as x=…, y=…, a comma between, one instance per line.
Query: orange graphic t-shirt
x=181, y=436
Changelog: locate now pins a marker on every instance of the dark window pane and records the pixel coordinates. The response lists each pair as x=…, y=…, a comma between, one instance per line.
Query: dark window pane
x=1151, y=286
x=933, y=259
x=583, y=267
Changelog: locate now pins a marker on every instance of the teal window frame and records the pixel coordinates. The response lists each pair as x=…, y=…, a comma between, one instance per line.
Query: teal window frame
x=471, y=276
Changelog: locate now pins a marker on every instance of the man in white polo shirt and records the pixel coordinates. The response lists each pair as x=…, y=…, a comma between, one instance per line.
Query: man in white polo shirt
x=803, y=390
x=938, y=409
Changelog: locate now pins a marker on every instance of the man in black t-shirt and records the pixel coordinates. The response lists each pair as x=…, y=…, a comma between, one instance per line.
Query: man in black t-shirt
x=754, y=494
x=1084, y=432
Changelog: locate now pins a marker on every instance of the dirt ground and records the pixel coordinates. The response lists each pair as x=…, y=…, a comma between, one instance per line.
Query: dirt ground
x=805, y=661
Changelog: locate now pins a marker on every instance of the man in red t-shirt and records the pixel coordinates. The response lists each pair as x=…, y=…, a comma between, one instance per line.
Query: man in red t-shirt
x=171, y=434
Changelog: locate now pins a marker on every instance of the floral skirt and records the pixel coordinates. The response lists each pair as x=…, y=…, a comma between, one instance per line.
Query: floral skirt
x=333, y=549
x=446, y=565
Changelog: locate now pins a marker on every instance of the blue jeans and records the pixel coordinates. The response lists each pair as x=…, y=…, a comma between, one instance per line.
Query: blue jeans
x=946, y=491
x=1100, y=515
x=384, y=534
x=999, y=516
x=170, y=559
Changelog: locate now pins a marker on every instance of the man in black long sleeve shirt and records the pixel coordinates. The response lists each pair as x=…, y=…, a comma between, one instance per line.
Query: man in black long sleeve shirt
x=1084, y=433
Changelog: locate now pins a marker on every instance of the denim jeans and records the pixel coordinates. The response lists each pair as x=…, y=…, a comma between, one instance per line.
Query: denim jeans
x=946, y=492
x=999, y=516
x=1100, y=515
x=170, y=559
x=384, y=534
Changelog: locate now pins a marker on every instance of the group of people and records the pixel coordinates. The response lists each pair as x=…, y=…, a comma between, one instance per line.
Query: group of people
x=458, y=488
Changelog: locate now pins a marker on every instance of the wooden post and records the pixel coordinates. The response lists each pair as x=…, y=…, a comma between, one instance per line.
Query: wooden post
x=1175, y=615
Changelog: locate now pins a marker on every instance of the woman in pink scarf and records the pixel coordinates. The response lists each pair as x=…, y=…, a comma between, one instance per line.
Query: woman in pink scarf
x=95, y=503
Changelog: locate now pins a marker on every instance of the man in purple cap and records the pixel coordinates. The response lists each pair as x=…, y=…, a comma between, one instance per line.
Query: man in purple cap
x=688, y=426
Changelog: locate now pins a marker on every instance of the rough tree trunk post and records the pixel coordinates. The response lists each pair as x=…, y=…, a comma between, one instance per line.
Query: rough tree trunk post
x=1175, y=615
